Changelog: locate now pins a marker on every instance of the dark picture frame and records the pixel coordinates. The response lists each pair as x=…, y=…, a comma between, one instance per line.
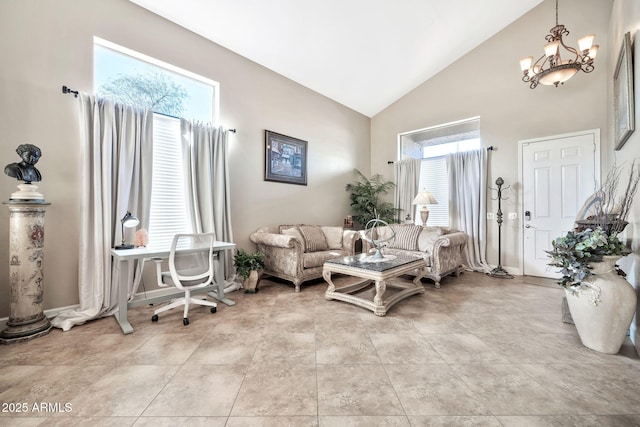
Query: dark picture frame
x=285, y=159
x=623, y=99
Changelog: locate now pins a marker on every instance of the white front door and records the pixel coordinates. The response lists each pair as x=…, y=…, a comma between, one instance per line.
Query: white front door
x=558, y=175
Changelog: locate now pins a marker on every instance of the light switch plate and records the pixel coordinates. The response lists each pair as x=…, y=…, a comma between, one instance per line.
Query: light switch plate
x=489, y=215
x=513, y=215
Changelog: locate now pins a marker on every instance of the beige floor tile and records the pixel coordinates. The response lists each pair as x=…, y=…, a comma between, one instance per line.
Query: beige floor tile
x=435, y=323
x=453, y=421
x=180, y=421
x=328, y=321
x=51, y=384
x=571, y=421
x=403, y=349
x=91, y=421
x=464, y=348
x=290, y=321
x=356, y=390
x=284, y=347
x=343, y=347
x=165, y=349
x=123, y=391
x=301, y=421
x=226, y=349
x=199, y=390
x=364, y=421
x=479, y=351
x=592, y=388
x=277, y=389
x=506, y=389
x=433, y=390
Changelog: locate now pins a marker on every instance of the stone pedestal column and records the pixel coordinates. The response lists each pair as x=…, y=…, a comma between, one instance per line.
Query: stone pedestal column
x=26, y=256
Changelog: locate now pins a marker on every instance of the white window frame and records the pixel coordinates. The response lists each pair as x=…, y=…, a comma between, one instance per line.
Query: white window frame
x=416, y=144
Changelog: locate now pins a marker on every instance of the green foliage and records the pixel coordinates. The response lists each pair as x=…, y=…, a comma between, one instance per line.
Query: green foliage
x=245, y=263
x=156, y=91
x=574, y=252
x=366, y=195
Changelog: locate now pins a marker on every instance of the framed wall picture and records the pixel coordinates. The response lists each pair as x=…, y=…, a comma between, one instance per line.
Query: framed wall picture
x=285, y=159
x=623, y=100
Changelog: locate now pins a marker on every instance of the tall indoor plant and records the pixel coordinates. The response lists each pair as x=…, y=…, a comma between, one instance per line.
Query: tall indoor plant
x=367, y=198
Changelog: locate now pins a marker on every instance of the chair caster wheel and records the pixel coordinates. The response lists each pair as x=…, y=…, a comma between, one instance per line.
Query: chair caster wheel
x=154, y=318
x=214, y=309
x=185, y=321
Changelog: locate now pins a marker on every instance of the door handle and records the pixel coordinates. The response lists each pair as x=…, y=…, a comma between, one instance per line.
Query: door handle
x=527, y=226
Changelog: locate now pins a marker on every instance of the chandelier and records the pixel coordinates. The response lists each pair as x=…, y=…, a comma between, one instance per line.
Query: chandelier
x=550, y=68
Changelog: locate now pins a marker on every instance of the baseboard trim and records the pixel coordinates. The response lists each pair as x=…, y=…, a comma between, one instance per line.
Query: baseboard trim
x=51, y=312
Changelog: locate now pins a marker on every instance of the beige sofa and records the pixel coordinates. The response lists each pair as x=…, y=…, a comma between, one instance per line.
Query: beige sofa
x=441, y=247
x=297, y=252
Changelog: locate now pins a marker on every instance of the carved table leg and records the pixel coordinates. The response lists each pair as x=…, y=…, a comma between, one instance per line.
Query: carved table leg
x=381, y=288
x=327, y=277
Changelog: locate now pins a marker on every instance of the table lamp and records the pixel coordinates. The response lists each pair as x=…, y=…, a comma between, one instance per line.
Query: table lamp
x=424, y=198
x=127, y=221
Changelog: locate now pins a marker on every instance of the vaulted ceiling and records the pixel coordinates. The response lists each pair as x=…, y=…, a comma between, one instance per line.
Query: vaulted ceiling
x=364, y=54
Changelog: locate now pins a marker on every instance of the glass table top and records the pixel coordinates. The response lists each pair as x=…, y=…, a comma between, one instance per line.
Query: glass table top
x=365, y=262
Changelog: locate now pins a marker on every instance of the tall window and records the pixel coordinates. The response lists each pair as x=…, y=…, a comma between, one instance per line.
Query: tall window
x=432, y=145
x=171, y=92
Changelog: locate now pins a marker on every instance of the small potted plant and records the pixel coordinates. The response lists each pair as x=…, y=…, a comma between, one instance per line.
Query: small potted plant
x=601, y=301
x=248, y=267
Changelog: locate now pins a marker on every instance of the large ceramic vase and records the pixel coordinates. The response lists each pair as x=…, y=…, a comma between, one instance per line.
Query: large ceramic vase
x=603, y=326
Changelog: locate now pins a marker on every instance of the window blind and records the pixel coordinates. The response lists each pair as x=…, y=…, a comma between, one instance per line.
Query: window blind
x=168, y=214
x=433, y=178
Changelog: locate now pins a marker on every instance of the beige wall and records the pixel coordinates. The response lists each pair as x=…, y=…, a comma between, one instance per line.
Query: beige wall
x=625, y=16
x=45, y=44
x=487, y=83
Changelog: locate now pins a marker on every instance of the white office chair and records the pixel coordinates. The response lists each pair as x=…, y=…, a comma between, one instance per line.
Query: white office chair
x=191, y=269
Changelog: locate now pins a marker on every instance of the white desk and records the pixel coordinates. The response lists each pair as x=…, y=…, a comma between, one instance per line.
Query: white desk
x=123, y=259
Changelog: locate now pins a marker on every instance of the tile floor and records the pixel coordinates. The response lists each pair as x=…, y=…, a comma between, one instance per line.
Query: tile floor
x=477, y=352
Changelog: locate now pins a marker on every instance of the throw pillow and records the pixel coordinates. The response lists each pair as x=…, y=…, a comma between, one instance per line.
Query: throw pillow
x=333, y=236
x=295, y=231
x=314, y=238
x=406, y=236
x=428, y=237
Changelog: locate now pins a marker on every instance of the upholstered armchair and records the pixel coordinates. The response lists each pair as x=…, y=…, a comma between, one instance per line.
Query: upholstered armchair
x=442, y=248
x=297, y=252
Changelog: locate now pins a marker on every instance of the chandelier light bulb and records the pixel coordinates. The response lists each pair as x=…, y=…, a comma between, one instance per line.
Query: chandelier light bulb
x=550, y=49
x=586, y=42
x=525, y=63
x=593, y=51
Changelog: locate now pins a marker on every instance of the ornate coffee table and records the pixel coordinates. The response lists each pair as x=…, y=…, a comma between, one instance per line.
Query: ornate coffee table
x=379, y=273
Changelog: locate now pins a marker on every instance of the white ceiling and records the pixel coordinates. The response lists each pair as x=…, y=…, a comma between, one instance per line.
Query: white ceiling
x=364, y=54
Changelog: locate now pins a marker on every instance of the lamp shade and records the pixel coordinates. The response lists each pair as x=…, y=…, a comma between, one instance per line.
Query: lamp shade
x=129, y=220
x=424, y=198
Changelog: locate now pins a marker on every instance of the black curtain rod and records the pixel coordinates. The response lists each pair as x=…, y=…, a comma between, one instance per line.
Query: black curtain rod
x=490, y=148
x=67, y=89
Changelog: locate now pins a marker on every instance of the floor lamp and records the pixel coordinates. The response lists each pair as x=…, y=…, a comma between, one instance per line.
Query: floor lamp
x=424, y=198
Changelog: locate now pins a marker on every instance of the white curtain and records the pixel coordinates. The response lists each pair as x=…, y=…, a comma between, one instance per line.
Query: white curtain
x=116, y=156
x=205, y=156
x=407, y=180
x=468, y=202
